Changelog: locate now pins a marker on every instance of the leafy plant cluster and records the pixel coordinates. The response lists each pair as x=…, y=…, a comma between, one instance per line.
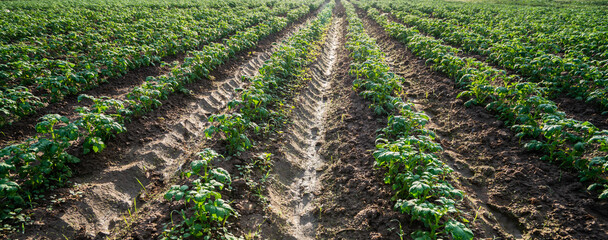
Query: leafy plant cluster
x=205, y=212
x=578, y=76
x=17, y=102
x=258, y=109
x=522, y=105
x=62, y=64
x=574, y=32
x=198, y=65
x=405, y=147
x=30, y=168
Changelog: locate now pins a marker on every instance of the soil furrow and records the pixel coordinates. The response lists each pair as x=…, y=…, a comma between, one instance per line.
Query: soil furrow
x=140, y=162
x=573, y=107
x=115, y=88
x=511, y=193
x=300, y=150
x=355, y=203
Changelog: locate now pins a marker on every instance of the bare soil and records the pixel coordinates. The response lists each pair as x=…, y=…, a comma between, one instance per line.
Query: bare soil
x=511, y=192
x=355, y=203
x=137, y=166
x=323, y=183
x=581, y=110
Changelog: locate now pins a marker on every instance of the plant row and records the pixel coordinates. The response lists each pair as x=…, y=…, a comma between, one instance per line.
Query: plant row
x=258, y=110
x=24, y=21
x=577, y=32
x=205, y=213
x=405, y=148
x=19, y=101
x=572, y=75
x=121, y=48
x=522, y=105
x=41, y=163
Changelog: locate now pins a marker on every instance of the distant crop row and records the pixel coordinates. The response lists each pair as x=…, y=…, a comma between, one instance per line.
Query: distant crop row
x=577, y=32
x=40, y=69
x=30, y=168
x=522, y=105
x=536, y=57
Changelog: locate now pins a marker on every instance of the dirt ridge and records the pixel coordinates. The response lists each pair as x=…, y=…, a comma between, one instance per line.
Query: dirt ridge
x=510, y=192
x=300, y=150
x=149, y=154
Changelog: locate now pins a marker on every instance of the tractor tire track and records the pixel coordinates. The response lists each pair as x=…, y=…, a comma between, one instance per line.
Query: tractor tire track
x=326, y=186
x=297, y=173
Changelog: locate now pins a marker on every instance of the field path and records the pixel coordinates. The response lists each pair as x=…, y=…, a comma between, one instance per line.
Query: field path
x=299, y=169
x=326, y=186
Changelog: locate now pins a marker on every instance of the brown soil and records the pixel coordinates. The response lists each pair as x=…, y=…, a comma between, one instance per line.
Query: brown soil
x=512, y=193
x=25, y=127
x=151, y=152
x=323, y=183
x=115, y=88
x=581, y=110
x=342, y=196
x=575, y=109
x=354, y=203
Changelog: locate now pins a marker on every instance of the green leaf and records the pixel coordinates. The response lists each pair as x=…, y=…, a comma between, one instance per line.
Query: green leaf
x=580, y=146
x=179, y=195
x=219, y=209
x=604, y=194
x=458, y=230
x=421, y=235
x=220, y=175
x=198, y=165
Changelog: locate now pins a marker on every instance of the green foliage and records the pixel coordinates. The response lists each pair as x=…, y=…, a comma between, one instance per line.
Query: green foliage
x=208, y=212
x=50, y=50
x=41, y=163
x=522, y=105
x=405, y=148
x=234, y=126
x=278, y=76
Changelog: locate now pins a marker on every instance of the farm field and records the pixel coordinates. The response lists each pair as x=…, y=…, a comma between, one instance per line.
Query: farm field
x=304, y=119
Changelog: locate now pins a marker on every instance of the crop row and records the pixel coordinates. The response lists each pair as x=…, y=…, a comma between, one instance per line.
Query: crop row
x=258, y=111
x=577, y=32
x=405, y=148
x=114, y=34
x=559, y=74
x=40, y=163
x=522, y=105
x=21, y=21
x=205, y=212
x=62, y=77
x=97, y=50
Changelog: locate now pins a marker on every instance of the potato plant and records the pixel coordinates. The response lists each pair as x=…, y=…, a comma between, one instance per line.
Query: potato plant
x=205, y=212
x=258, y=109
x=533, y=60
x=523, y=106
x=41, y=163
x=405, y=148
x=128, y=48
